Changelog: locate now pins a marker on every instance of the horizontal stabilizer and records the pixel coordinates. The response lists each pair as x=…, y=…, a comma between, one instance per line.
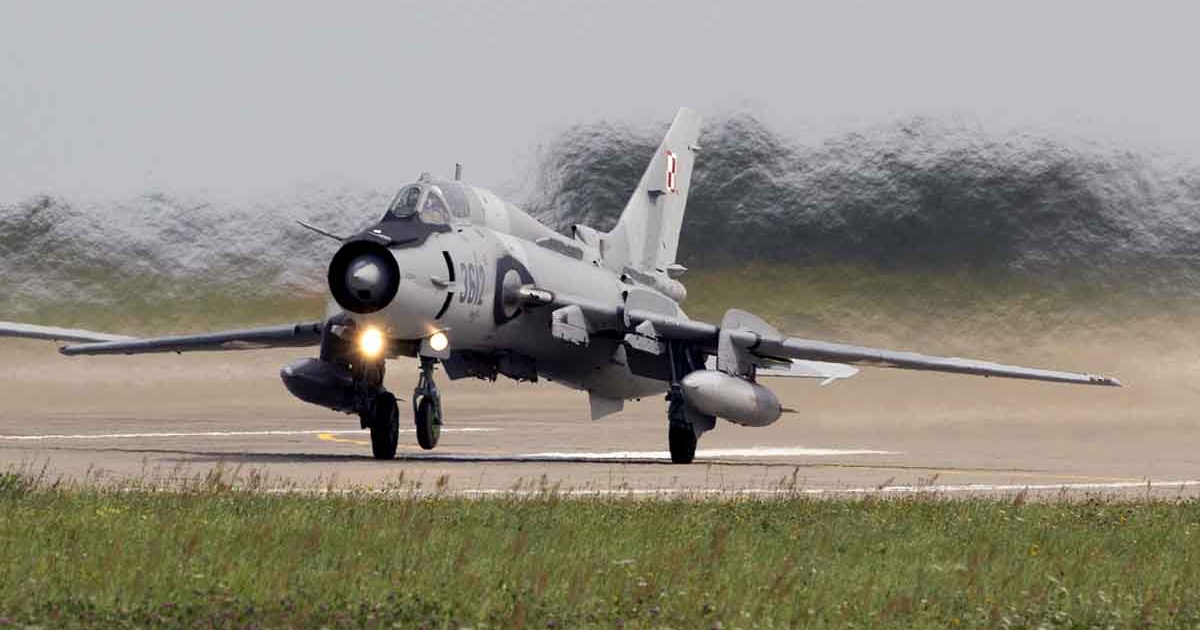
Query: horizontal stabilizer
x=799, y=368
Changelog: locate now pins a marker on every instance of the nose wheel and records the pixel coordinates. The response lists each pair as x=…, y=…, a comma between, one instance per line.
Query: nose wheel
x=427, y=406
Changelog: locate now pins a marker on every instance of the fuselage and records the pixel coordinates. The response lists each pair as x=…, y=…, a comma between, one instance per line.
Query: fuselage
x=454, y=276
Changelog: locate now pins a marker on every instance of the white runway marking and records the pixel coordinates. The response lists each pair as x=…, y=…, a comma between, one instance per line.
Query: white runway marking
x=1017, y=487
x=754, y=451
x=121, y=436
x=939, y=489
x=1179, y=485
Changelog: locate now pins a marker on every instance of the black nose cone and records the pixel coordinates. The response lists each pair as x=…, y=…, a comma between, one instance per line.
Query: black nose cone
x=363, y=277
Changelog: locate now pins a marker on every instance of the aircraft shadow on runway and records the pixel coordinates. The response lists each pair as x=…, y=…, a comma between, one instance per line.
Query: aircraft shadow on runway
x=249, y=457
x=202, y=456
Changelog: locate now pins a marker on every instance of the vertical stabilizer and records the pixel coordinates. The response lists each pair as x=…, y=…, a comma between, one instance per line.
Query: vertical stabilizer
x=647, y=234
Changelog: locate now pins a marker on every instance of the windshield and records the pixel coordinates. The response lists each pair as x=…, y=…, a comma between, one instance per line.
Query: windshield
x=404, y=205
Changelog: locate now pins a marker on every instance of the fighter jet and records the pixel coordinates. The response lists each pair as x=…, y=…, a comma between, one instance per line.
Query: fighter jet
x=452, y=275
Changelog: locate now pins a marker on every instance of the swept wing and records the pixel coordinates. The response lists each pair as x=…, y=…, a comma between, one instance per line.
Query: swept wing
x=54, y=333
x=771, y=346
x=288, y=335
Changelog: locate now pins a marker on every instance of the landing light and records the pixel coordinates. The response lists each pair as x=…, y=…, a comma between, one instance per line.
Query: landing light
x=439, y=341
x=370, y=342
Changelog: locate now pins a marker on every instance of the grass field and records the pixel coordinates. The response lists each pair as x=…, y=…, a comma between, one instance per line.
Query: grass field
x=866, y=303
x=880, y=305
x=205, y=555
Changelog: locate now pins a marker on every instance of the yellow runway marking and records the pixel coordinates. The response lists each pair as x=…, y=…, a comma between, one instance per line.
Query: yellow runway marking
x=329, y=437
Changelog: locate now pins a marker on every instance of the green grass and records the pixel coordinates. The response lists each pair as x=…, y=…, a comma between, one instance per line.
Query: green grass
x=206, y=312
x=105, y=299
x=852, y=302
x=205, y=555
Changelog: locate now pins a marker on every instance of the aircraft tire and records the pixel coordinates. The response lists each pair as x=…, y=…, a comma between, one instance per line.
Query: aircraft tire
x=682, y=440
x=429, y=423
x=385, y=427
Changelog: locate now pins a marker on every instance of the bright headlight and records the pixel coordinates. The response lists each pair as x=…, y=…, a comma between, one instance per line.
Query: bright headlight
x=370, y=342
x=439, y=341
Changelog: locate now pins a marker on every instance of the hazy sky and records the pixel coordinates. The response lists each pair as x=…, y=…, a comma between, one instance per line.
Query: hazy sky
x=117, y=98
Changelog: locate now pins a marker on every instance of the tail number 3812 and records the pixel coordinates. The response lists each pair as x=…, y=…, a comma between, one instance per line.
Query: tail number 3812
x=472, y=283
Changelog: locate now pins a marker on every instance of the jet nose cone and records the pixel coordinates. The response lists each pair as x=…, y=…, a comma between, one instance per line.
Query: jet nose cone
x=363, y=277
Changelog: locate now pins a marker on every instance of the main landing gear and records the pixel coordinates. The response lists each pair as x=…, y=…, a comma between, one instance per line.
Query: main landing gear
x=681, y=435
x=384, y=422
x=376, y=406
x=377, y=409
x=684, y=423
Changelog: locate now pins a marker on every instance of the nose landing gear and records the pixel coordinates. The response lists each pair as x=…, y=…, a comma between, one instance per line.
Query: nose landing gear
x=427, y=406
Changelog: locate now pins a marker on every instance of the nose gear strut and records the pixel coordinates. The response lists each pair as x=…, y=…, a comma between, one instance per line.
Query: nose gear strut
x=427, y=406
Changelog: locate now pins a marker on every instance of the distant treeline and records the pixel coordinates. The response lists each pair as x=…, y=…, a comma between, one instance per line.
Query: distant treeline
x=916, y=195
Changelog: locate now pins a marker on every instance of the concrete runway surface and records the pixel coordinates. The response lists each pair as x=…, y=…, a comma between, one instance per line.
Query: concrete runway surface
x=116, y=418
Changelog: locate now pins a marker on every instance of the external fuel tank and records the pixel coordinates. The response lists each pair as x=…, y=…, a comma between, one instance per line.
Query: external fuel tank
x=737, y=400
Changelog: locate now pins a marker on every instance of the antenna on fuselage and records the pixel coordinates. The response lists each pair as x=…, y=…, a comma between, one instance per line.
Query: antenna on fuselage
x=457, y=172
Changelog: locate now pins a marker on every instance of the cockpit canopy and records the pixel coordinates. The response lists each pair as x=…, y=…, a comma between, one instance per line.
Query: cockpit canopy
x=429, y=202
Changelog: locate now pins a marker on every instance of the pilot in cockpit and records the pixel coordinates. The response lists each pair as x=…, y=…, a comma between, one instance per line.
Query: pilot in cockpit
x=413, y=199
x=434, y=209
x=404, y=204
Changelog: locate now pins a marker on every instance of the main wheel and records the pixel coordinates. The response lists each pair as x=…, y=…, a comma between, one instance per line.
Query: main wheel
x=385, y=426
x=682, y=440
x=429, y=423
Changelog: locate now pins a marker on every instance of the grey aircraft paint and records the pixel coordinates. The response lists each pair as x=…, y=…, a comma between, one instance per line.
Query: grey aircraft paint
x=455, y=276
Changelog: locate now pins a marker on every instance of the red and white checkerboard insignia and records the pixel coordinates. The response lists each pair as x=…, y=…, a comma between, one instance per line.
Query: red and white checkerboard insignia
x=671, y=164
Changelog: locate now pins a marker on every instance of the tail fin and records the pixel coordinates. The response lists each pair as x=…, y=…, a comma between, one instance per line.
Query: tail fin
x=647, y=234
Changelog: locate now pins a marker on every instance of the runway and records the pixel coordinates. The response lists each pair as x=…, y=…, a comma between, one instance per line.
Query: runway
x=114, y=419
